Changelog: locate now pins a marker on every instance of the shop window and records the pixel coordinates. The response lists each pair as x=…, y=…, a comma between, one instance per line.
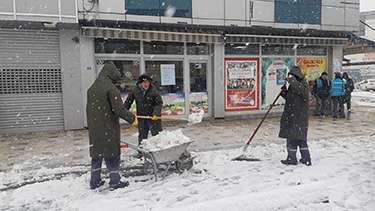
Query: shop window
x=168, y=78
x=129, y=74
x=198, y=76
x=278, y=50
x=166, y=75
x=312, y=50
x=197, y=49
x=175, y=8
x=163, y=48
x=117, y=46
x=298, y=11
x=241, y=49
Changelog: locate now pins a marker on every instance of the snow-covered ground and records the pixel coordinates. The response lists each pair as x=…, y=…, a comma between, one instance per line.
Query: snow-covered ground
x=342, y=178
x=50, y=171
x=363, y=98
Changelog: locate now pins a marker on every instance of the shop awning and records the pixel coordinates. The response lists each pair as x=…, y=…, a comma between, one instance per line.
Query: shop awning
x=146, y=35
x=285, y=40
x=170, y=36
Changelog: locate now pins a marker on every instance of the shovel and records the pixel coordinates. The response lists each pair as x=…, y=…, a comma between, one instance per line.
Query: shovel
x=243, y=157
x=193, y=118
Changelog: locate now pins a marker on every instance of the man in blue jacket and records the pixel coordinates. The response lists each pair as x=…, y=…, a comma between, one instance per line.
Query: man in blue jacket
x=320, y=90
x=337, y=94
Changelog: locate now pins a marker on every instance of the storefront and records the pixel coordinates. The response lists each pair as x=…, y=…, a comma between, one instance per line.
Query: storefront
x=228, y=75
x=255, y=73
x=181, y=71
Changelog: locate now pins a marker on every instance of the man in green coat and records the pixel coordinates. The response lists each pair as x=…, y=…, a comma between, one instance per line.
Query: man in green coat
x=149, y=103
x=104, y=107
x=295, y=118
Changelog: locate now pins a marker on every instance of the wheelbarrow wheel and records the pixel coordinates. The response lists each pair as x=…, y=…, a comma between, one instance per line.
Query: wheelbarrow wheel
x=185, y=162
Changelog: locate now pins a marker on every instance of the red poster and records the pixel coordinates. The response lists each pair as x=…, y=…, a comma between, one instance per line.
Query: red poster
x=241, y=84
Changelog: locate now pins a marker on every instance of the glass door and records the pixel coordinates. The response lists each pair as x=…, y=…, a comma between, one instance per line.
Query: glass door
x=199, y=95
x=168, y=77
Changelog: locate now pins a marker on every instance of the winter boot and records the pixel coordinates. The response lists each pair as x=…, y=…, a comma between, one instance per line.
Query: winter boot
x=305, y=154
x=306, y=162
x=95, y=186
x=289, y=161
x=121, y=184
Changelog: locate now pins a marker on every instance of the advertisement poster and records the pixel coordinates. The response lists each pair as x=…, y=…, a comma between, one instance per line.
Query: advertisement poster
x=168, y=74
x=274, y=72
x=199, y=101
x=173, y=104
x=312, y=67
x=241, y=84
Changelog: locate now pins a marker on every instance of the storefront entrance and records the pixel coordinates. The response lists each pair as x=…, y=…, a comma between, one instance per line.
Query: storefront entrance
x=181, y=71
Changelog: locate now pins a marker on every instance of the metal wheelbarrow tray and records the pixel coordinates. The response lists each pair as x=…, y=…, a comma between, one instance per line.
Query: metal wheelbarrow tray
x=162, y=160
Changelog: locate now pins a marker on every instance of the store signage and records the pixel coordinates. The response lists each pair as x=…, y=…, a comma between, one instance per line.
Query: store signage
x=312, y=67
x=241, y=84
x=168, y=74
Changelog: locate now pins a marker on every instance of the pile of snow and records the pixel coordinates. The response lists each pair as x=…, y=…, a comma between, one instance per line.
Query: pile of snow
x=164, y=140
x=196, y=117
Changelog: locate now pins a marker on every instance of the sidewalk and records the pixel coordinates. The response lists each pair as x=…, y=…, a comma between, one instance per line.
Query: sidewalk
x=64, y=149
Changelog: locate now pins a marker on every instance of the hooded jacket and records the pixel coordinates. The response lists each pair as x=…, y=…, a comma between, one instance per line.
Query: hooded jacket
x=295, y=118
x=104, y=108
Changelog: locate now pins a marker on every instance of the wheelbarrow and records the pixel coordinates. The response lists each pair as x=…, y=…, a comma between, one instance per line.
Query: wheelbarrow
x=161, y=161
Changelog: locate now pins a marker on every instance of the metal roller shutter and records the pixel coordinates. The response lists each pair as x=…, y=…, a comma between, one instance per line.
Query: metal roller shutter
x=30, y=81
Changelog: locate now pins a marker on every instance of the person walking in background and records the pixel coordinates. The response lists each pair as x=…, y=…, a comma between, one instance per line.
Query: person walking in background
x=104, y=108
x=349, y=87
x=337, y=94
x=295, y=118
x=148, y=103
x=321, y=92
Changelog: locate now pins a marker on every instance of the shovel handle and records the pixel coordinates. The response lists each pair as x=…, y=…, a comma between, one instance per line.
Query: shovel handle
x=159, y=117
x=261, y=122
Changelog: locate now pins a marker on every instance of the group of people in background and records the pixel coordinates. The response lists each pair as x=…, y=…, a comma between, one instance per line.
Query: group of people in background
x=331, y=96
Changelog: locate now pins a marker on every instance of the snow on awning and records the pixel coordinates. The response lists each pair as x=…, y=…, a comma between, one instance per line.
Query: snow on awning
x=146, y=35
x=285, y=40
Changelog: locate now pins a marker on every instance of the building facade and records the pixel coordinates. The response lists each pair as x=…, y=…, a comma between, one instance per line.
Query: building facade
x=359, y=59
x=227, y=57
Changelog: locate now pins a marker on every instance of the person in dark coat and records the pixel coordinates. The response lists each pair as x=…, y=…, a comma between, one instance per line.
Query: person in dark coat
x=148, y=103
x=104, y=108
x=349, y=87
x=321, y=92
x=295, y=118
x=337, y=94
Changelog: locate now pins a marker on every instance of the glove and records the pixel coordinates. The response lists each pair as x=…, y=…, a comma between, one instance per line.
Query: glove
x=154, y=118
x=135, y=123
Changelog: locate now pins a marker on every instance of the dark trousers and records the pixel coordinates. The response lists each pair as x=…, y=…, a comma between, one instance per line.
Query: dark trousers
x=321, y=105
x=293, y=144
x=338, y=107
x=349, y=102
x=146, y=125
x=113, y=165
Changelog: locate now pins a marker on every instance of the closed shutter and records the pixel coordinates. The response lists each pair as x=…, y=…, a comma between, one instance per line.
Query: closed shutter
x=30, y=81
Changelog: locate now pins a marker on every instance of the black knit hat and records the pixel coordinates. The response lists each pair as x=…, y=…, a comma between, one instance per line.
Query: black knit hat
x=144, y=77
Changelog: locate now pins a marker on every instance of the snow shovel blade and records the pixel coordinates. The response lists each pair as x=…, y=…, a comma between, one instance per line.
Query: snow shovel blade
x=245, y=158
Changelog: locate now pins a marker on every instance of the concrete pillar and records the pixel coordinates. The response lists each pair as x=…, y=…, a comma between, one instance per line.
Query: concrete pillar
x=71, y=73
x=218, y=82
x=88, y=69
x=336, y=59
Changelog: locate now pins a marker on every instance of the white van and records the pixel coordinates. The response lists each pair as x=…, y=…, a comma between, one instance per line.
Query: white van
x=367, y=85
